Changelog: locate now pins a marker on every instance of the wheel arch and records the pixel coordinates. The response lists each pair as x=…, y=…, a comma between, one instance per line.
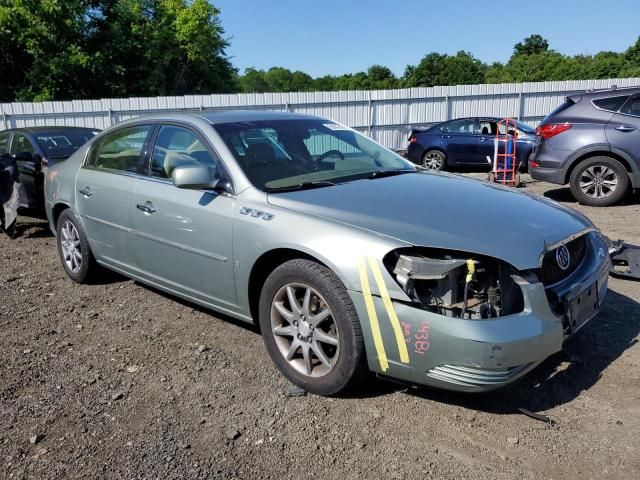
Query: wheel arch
x=56, y=211
x=264, y=265
x=599, y=153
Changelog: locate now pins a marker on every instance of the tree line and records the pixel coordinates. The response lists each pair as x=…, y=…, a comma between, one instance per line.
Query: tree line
x=78, y=49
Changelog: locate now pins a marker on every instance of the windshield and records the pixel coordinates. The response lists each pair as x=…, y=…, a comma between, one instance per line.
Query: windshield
x=63, y=143
x=279, y=154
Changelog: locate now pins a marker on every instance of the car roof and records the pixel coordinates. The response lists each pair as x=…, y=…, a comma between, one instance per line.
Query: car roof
x=233, y=116
x=56, y=128
x=605, y=93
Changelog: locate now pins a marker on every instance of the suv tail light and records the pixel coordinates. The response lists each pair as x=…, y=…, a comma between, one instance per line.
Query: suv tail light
x=552, y=129
x=412, y=139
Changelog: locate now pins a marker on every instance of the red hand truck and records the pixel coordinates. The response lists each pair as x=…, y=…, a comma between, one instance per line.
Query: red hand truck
x=505, y=163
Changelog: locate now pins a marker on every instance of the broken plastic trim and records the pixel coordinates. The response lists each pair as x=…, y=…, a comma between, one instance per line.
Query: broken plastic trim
x=625, y=260
x=456, y=284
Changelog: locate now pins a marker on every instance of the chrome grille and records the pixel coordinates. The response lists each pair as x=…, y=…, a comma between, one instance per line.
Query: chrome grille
x=550, y=273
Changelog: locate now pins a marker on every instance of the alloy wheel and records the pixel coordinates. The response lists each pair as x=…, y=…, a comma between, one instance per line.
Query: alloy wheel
x=432, y=161
x=71, y=247
x=305, y=330
x=598, y=181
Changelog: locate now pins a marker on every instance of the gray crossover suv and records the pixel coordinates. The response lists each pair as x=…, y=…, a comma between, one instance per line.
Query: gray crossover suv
x=311, y=230
x=592, y=142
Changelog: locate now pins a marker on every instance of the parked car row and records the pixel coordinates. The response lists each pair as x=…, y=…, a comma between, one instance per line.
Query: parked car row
x=591, y=142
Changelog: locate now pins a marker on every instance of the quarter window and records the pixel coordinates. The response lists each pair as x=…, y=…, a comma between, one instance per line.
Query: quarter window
x=21, y=144
x=632, y=107
x=178, y=147
x=121, y=149
x=4, y=142
x=611, y=104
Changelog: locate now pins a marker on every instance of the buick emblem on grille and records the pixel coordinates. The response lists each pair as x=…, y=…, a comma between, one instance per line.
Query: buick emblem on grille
x=563, y=257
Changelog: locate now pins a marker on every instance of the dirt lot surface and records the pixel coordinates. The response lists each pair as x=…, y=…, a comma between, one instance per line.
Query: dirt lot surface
x=117, y=380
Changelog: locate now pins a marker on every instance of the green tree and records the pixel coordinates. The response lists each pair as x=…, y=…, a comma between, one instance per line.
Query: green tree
x=533, y=44
x=62, y=49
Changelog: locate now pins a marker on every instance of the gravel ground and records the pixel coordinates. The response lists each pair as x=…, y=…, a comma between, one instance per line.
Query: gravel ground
x=117, y=380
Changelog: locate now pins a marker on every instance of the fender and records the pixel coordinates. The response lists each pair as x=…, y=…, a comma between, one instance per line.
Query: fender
x=634, y=176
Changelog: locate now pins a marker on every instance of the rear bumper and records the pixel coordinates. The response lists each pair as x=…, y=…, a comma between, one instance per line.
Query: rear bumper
x=551, y=175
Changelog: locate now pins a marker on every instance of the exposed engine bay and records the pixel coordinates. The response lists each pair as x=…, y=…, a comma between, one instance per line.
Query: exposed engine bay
x=448, y=284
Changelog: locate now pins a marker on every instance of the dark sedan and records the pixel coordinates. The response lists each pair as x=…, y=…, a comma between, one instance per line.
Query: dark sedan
x=464, y=142
x=35, y=149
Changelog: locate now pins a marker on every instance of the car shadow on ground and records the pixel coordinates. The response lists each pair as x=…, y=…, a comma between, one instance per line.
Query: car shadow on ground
x=565, y=375
x=563, y=195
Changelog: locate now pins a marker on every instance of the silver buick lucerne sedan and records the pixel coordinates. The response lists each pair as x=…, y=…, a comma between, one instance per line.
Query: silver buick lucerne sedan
x=347, y=257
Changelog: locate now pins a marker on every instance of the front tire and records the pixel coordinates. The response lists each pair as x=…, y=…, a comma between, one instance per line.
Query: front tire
x=434, y=160
x=311, y=329
x=599, y=182
x=73, y=248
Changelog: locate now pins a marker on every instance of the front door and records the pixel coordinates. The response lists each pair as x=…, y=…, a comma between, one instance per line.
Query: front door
x=29, y=168
x=183, y=238
x=104, y=193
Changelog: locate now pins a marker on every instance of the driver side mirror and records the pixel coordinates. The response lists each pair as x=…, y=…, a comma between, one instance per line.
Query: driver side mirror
x=199, y=177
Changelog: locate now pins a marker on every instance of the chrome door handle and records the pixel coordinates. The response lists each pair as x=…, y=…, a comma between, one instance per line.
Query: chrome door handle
x=625, y=128
x=86, y=191
x=146, y=207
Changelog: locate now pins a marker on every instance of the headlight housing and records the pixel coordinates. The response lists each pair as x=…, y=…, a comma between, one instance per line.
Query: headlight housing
x=456, y=284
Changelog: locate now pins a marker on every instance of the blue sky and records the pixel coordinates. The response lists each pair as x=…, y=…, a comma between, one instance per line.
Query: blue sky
x=334, y=37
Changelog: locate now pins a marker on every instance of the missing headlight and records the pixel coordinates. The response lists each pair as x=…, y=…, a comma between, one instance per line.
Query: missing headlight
x=455, y=285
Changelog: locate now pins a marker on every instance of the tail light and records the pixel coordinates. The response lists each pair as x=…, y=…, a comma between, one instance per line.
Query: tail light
x=552, y=129
x=533, y=164
x=412, y=139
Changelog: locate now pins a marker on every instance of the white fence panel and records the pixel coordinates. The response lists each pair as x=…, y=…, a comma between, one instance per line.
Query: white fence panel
x=385, y=115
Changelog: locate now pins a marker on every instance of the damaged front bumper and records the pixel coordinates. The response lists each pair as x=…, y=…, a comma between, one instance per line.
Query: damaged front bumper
x=409, y=343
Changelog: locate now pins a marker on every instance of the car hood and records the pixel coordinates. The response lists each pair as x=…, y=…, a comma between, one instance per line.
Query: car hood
x=445, y=211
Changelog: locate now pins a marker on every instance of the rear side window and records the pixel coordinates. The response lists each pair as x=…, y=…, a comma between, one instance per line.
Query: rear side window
x=4, y=142
x=121, y=150
x=611, y=104
x=632, y=107
x=178, y=147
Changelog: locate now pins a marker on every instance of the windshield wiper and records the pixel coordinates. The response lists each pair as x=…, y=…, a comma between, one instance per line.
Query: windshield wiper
x=301, y=186
x=387, y=173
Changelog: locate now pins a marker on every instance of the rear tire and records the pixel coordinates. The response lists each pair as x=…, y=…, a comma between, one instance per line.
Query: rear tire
x=599, y=181
x=326, y=356
x=73, y=248
x=434, y=160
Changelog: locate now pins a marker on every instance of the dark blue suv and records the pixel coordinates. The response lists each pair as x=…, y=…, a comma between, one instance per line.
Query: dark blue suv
x=464, y=142
x=591, y=142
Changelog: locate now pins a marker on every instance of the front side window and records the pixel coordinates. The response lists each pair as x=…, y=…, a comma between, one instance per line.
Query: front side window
x=632, y=107
x=177, y=147
x=281, y=154
x=121, y=150
x=459, y=126
x=21, y=144
x=4, y=142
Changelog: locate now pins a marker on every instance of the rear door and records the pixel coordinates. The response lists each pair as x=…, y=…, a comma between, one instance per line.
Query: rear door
x=104, y=192
x=183, y=238
x=461, y=141
x=623, y=129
